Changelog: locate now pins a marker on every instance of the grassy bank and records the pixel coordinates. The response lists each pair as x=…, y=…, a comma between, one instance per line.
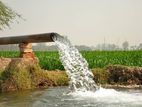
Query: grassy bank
x=23, y=74
x=112, y=75
x=96, y=59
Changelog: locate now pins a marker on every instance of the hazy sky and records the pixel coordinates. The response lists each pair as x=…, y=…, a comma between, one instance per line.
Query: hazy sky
x=86, y=22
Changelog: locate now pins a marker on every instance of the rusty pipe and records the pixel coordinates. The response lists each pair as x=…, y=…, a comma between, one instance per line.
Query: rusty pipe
x=33, y=38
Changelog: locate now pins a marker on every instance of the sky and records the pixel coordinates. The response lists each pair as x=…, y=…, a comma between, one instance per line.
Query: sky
x=84, y=22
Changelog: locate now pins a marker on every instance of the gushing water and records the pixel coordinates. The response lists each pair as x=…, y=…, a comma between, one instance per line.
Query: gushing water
x=81, y=78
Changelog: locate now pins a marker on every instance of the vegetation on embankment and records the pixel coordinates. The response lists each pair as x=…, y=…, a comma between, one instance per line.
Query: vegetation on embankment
x=96, y=59
x=118, y=75
x=22, y=74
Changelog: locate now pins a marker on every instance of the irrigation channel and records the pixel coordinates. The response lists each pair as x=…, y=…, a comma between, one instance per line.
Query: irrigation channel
x=82, y=91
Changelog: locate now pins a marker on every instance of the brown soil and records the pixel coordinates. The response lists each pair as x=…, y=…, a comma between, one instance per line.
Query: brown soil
x=124, y=75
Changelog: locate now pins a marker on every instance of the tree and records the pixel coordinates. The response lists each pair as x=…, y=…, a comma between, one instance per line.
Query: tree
x=134, y=47
x=125, y=45
x=6, y=15
x=112, y=47
x=140, y=46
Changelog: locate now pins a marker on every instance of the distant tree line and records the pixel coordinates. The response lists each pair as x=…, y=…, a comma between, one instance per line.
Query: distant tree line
x=125, y=46
x=45, y=47
x=40, y=47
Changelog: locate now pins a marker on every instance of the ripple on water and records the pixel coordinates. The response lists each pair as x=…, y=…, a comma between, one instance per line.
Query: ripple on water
x=54, y=97
x=101, y=98
x=110, y=97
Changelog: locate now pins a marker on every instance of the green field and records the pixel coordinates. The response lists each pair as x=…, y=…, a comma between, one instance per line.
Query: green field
x=96, y=59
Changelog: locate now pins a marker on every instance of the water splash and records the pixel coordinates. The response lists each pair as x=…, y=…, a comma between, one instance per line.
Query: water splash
x=111, y=97
x=81, y=78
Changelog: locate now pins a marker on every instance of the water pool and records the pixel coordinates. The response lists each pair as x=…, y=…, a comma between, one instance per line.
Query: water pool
x=59, y=97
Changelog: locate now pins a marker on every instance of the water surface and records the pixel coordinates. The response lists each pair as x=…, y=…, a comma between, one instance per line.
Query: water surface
x=59, y=97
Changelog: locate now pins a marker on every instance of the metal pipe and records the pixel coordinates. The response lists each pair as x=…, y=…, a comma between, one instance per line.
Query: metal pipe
x=33, y=38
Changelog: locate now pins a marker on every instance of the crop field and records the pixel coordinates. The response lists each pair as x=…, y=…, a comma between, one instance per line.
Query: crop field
x=96, y=59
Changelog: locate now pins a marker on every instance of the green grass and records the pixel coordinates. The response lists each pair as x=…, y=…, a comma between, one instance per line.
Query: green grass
x=9, y=54
x=96, y=59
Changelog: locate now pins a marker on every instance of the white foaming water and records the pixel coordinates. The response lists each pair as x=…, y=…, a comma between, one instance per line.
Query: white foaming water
x=81, y=78
x=110, y=96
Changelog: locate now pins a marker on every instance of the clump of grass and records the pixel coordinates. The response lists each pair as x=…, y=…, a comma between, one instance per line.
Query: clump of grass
x=59, y=78
x=100, y=76
x=23, y=74
x=15, y=77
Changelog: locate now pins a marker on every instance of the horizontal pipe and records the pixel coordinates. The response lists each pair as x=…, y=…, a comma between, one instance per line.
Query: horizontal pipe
x=33, y=38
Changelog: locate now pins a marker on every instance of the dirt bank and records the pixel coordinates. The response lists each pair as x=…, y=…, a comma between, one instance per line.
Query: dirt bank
x=124, y=75
x=22, y=73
